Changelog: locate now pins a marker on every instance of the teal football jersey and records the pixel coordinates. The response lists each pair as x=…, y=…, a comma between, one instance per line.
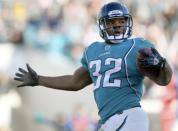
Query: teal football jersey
x=112, y=68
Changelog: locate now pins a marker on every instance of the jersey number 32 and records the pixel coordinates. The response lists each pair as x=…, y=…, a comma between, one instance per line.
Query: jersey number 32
x=107, y=75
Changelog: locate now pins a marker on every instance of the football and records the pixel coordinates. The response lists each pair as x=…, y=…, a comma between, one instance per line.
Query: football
x=143, y=54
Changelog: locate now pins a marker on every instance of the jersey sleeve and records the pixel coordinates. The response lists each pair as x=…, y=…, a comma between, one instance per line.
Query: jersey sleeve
x=146, y=44
x=141, y=43
x=84, y=60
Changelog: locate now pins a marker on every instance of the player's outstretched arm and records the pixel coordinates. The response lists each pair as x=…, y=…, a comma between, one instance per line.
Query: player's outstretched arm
x=77, y=81
x=154, y=66
x=74, y=82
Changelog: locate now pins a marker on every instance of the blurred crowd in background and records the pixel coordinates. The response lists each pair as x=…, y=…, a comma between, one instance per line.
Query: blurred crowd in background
x=63, y=28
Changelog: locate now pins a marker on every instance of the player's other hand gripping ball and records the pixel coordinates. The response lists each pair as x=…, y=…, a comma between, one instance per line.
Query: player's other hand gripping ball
x=149, y=61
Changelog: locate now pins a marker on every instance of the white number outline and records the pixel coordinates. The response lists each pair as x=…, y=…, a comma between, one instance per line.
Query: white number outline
x=107, y=74
x=97, y=64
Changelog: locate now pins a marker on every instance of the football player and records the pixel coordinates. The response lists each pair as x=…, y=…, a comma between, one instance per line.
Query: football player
x=114, y=69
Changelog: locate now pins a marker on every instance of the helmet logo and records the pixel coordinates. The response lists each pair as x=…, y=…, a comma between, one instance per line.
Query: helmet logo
x=115, y=13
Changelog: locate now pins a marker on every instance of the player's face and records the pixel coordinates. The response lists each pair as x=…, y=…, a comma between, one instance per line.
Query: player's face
x=116, y=26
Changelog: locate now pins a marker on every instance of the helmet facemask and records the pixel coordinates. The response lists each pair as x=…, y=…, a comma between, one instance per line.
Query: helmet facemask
x=115, y=29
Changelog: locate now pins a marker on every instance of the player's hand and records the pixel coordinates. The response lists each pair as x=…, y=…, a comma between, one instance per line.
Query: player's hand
x=28, y=78
x=151, y=59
